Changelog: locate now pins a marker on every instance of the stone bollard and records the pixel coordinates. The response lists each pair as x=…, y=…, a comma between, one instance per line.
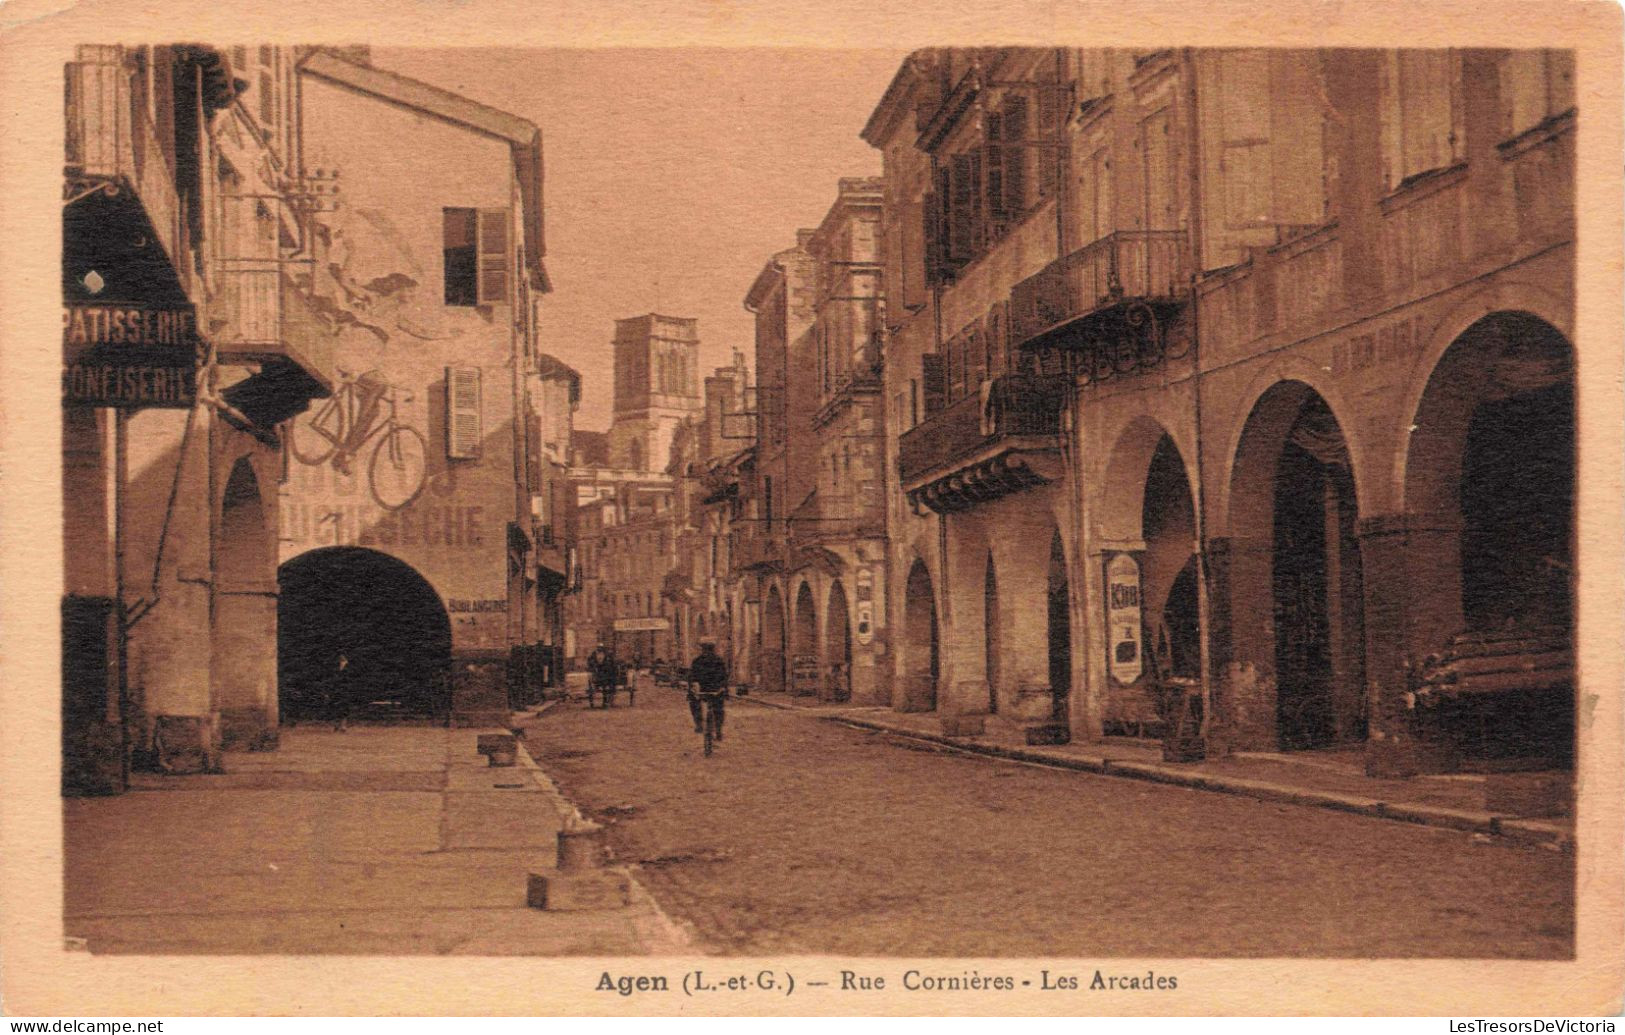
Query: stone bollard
x=499, y=749
x=581, y=881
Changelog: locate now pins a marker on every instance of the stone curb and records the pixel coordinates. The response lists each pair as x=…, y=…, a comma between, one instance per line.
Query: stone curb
x=664, y=936
x=1523, y=831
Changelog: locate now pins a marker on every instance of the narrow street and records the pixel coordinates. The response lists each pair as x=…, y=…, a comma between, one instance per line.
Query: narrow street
x=802, y=836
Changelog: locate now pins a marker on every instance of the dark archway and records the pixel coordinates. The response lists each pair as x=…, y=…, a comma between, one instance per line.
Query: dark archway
x=922, y=657
x=1490, y=475
x=838, y=643
x=990, y=634
x=1294, y=497
x=1059, y=626
x=771, y=662
x=381, y=615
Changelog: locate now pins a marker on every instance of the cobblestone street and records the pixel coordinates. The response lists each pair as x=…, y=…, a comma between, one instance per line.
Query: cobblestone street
x=801, y=836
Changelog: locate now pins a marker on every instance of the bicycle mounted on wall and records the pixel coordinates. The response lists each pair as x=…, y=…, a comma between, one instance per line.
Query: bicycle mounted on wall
x=363, y=408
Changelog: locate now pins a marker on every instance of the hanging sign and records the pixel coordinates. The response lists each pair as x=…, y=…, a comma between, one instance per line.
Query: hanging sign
x=1125, y=658
x=129, y=356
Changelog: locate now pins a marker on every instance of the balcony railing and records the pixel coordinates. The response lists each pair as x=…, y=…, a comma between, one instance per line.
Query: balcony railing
x=109, y=138
x=267, y=316
x=1129, y=265
x=1016, y=411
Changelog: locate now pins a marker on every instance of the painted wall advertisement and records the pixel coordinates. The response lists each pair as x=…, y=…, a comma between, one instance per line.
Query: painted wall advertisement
x=1125, y=658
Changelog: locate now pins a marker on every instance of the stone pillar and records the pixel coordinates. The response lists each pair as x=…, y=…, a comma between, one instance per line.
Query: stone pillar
x=245, y=660
x=1241, y=622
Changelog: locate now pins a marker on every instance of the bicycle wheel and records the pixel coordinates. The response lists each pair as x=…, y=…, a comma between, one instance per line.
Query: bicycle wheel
x=314, y=436
x=395, y=472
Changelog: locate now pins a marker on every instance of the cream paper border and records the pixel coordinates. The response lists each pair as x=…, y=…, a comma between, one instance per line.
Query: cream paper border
x=38, y=978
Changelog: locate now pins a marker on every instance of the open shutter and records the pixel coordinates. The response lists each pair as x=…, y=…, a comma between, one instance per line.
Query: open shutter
x=1016, y=155
x=961, y=205
x=933, y=371
x=463, y=431
x=1052, y=99
x=993, y=159
x=936, y=227
x=493, y=282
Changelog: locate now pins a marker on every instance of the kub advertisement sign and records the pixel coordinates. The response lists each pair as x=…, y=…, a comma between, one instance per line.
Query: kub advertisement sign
x=1124, y=636
x=866, y=606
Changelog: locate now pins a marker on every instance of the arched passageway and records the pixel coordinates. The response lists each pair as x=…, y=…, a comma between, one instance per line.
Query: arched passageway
x=1296, y=606
x=245, y=615
x=804, y=642
x=922, y=664
x=1168, y=522
x=771, y=659
x=838, y=644
x=381, y=616
x=1490, y=478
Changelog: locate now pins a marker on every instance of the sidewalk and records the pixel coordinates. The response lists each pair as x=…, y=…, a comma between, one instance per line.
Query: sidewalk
x=1329, y=780
x=382, y=840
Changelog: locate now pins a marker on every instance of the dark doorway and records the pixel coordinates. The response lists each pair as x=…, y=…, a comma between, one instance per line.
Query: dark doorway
x=1517, y=505
x=377, y=612
x=1316, y=584
x=920, y=634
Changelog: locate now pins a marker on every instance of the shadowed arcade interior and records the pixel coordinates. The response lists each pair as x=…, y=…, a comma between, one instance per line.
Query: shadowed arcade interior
x=377, y=612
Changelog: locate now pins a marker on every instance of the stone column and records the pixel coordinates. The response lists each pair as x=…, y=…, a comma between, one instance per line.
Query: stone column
x=245, y=665
x=1241, y=623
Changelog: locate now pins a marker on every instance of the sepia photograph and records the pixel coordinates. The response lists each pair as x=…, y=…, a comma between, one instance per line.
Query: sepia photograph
x=975, y=518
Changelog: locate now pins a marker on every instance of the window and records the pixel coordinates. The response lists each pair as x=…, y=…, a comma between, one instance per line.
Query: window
x=475, y=243
x=1419, y=114
x=1535, y=86
x=463, y=422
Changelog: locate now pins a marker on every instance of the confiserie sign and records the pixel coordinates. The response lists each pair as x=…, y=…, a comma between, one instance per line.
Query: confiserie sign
x=129, y=356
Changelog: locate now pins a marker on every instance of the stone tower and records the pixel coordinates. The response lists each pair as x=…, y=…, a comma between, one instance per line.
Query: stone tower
x=657, y=387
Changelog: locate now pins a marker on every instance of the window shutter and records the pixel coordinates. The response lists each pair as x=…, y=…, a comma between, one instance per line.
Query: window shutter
x=463, y=430
x=936, y=227
x=993, y=157
x=1015, y=155
x=493, y=282
x=933, y=372
x=962, y=187
x=1051, y=103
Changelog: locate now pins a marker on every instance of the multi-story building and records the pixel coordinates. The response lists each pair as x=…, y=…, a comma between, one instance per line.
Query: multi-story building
x=1255, y=333
x=188, y=339
x=409, y=531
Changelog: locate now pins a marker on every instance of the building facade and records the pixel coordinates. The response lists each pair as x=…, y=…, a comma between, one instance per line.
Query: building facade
x=410, y=516
x=187, y=247
x=1284, y=314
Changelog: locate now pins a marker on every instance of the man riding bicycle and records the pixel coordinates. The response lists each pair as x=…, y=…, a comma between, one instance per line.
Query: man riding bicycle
x=707, y=678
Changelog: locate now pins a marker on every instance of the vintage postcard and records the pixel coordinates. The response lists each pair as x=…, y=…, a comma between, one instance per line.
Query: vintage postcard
x=1090, y=509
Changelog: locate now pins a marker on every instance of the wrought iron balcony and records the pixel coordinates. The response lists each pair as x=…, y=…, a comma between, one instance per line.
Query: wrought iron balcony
x=1106, y=307
x=1003, y=440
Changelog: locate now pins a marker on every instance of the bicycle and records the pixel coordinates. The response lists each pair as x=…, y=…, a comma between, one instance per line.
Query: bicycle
x=349, y=419
x=712, y=725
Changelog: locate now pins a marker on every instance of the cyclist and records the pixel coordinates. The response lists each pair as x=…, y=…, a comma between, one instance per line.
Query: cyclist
x=707, y=677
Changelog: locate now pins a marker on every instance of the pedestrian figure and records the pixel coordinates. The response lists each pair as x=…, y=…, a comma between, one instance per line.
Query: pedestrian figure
x=338, y=697
x=708, y=676
x=600, y=673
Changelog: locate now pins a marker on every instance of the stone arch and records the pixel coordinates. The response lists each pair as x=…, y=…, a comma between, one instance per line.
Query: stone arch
x=382, y=615
x=838, y=642
x=1122, y=504
x=921, y=656
x=245, y=610
x=804, y=626
x=770, y=659
x=1488, y=491
x=1288, y=370
x=1295, y=580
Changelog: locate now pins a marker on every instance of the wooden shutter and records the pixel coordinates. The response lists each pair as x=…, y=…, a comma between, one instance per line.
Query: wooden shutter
x=936, y=227
x=934, y=373
x=463, y=431
x=1297, y=138
x=493, y=280
x=961, y=201
x=1051, y=109
x=993, y=160
x=1245, y=159
x=1016, y=154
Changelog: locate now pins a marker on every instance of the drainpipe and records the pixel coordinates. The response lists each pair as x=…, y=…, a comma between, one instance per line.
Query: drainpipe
x=1199, y=494
x=121, y=470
